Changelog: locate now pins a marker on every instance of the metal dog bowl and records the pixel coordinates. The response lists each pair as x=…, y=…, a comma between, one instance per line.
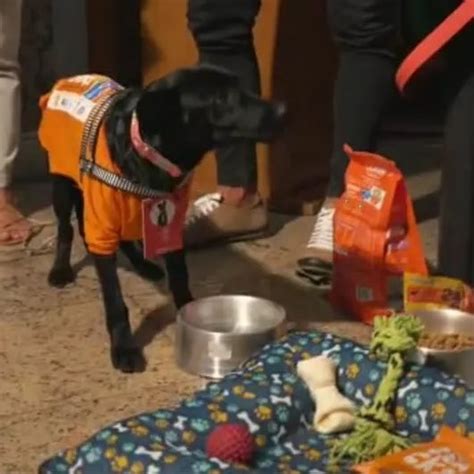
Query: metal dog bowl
x=449, y=321
x=215, y=335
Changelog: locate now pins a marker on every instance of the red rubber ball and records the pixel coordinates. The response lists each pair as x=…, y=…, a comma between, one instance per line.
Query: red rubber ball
x=231, y=442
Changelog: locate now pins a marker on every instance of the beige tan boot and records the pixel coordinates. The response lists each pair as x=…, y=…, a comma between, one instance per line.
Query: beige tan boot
x=210, y=220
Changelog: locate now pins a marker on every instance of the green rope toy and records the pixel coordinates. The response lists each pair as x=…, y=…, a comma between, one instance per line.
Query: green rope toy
x=392, y=338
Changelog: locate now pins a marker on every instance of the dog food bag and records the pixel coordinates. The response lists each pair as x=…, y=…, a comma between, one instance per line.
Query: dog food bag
x=449, y=453
x=376, y=238
x=422, y=292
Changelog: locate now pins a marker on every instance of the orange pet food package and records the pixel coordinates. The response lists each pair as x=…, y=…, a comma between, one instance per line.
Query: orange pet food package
x=423, y=292
x=375, y=236
x=449, y=453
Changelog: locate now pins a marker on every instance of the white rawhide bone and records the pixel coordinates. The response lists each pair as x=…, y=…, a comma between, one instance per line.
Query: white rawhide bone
x=334, y=412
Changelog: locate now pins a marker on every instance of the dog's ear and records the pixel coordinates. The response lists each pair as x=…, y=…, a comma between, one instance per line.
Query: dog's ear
x=157, y=105
x=195, y=78
x=164, y=83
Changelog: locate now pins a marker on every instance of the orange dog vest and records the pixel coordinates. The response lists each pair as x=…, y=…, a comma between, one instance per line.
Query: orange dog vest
x=110, y=215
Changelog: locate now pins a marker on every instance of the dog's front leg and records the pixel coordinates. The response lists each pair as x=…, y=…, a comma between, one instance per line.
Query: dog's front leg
x=178, y=279
x=146, y=269
x=125, y=354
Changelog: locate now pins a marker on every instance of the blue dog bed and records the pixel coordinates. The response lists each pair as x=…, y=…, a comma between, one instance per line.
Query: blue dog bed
x=268, y=396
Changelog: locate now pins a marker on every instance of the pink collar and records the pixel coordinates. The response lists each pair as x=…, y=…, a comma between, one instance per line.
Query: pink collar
x=149, y=153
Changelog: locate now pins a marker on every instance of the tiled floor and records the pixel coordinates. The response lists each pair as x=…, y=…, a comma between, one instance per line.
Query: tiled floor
x=56, y=383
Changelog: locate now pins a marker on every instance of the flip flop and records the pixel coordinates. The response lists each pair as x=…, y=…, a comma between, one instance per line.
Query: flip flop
x=18, y=248
x=315, y=266
x=322, y=282
x=12, y=227
x=13, y=222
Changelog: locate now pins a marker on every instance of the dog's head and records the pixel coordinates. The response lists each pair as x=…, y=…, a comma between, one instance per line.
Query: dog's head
x=194, y=110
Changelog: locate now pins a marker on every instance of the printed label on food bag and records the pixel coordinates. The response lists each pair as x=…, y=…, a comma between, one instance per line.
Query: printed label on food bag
x=449, y=453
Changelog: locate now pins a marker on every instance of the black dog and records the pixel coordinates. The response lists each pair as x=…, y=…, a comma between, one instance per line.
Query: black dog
x=183, y=116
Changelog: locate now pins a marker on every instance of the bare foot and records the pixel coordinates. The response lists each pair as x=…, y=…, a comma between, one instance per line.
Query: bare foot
x=14, y=227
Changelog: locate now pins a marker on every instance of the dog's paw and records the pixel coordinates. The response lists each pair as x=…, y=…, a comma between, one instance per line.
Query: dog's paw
x=59, y=277
x=149, y=271
x=128, y=359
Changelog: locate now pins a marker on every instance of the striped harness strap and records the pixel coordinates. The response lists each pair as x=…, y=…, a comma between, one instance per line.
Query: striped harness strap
x=87, y=162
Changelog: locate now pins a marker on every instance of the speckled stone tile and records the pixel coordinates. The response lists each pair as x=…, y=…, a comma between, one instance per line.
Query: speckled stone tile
x=95, y=399
x=57, y=386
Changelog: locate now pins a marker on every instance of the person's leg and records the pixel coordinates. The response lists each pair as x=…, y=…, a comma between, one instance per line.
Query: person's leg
x=13, y=227
x=456, y=226
x=365, y=33
x=223, y=32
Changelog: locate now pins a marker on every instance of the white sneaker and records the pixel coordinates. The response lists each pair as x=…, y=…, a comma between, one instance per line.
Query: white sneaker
x=202, y=207
x=322, y=237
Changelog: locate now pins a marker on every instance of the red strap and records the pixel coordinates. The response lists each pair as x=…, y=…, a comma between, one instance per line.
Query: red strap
x=430, y=45
x=148, y=152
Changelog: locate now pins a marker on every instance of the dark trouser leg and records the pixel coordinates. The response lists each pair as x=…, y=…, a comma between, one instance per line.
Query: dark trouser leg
x=222, y=30
x=456, y=229
x=364, y=31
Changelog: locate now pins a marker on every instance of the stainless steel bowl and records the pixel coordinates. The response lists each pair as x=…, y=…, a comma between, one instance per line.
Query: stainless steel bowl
x=449, y=321
x=214, y=335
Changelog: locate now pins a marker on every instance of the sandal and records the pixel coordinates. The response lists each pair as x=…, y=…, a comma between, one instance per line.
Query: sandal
x=14, y=228
x=322, y=282
x=15, y=252
x=315, y=266
x=8, y=231
x=18, y=224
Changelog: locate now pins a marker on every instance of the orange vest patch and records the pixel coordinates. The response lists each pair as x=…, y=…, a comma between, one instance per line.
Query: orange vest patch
x=110, y=215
